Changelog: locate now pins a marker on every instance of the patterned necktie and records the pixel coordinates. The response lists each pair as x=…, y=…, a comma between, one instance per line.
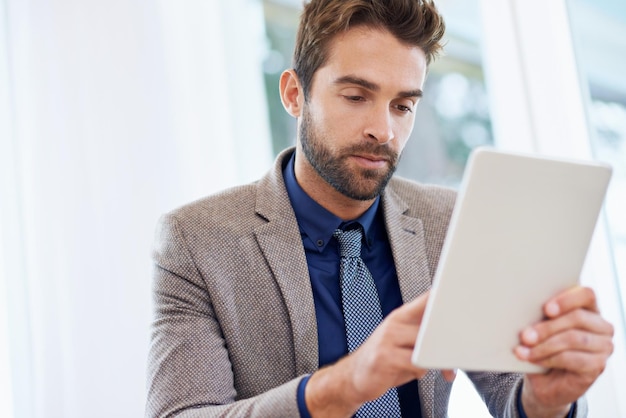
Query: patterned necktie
x=361, y=312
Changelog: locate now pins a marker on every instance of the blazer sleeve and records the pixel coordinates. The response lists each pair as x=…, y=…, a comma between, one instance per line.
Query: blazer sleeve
x=500, y=391
x=189, y=371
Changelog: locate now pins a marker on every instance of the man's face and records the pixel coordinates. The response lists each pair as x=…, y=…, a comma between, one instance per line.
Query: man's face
x=360, y=111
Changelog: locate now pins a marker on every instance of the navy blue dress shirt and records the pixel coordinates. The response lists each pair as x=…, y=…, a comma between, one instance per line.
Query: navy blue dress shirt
x=322, y=253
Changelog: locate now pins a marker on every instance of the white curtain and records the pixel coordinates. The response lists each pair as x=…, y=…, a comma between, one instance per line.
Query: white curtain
x=112, y=113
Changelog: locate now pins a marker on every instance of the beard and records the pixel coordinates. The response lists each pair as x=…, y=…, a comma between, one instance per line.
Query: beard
x=334, y=168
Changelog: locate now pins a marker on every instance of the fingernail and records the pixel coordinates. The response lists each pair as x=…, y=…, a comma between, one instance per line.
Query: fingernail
x=530, y=336
x=552, y=309
x=523, y=352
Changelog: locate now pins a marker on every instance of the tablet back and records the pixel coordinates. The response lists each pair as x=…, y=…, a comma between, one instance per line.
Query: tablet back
x=518, y=235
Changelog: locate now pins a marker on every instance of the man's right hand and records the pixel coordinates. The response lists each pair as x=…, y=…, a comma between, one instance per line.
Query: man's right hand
x=382, y=362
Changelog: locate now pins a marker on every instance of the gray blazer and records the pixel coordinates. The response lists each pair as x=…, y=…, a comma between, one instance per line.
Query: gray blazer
x=234, y=326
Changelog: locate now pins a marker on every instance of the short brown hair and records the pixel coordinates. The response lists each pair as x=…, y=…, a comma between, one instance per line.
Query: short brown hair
x=414, y=22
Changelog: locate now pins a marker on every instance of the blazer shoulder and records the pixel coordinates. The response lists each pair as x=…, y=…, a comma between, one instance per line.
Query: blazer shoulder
x=245, y=205
x=423, y=199
x=232, y=209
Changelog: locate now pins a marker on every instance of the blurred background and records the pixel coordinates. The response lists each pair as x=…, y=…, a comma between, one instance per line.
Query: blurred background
x=112, y=113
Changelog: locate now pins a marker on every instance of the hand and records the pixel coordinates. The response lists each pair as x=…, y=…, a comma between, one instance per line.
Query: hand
x=382, y=362
x=574, y=343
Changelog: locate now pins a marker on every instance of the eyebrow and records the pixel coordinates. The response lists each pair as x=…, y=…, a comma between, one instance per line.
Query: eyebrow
x=349, y=79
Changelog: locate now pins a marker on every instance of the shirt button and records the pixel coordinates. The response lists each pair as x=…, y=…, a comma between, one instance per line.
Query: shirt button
x=320, y=243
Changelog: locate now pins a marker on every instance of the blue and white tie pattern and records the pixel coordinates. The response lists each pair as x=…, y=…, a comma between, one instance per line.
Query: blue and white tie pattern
x=361, y=312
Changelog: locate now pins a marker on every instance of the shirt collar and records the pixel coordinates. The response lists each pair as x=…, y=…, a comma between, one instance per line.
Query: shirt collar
x=315, y=222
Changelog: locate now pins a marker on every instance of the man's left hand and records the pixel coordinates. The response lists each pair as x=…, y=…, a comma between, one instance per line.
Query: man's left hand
x=574, y=343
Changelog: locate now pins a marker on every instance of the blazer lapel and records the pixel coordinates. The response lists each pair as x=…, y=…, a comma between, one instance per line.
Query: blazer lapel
x=280, y=242
x=406, y=237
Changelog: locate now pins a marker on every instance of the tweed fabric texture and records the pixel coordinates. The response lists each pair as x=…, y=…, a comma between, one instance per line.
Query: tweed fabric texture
x=234, y=328
x=362, y=312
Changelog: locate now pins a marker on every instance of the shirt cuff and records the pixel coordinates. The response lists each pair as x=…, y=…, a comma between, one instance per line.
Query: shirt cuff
x=304, y=412
x=522, y=414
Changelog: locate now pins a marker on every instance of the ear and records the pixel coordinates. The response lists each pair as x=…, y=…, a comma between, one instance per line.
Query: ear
x=291, y=93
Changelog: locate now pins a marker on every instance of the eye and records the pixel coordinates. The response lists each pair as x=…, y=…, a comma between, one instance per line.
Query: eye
x=354, y=98
x=404, y=109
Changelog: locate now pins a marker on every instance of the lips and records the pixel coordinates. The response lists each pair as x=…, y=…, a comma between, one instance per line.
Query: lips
x=372, y=157
x=371, y=161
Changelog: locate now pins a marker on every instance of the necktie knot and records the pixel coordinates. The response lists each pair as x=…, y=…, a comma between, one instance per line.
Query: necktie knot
x=349, y=242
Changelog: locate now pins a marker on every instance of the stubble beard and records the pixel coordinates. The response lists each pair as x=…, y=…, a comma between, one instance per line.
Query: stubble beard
x=359, y=184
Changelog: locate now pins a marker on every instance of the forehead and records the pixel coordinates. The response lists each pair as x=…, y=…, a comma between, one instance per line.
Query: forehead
x=375, y=55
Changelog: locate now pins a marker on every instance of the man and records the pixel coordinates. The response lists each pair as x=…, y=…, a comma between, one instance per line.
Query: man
x=252, y=286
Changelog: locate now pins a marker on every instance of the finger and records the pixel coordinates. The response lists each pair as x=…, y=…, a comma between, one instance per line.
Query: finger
x=579, y=319
x=418, y=372
x=400, y=361
x=571, y=299
x=413, y=311
x=574, y=340
x=449, y=375
x=578, y=362
x=398, y=334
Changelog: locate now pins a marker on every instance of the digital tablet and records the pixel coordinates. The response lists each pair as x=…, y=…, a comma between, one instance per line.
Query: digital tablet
x=518, y=235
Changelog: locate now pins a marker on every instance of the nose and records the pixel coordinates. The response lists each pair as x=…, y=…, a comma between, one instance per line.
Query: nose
x=379, y=125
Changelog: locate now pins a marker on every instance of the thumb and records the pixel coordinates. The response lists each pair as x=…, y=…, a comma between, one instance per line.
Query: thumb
x=413, y=311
